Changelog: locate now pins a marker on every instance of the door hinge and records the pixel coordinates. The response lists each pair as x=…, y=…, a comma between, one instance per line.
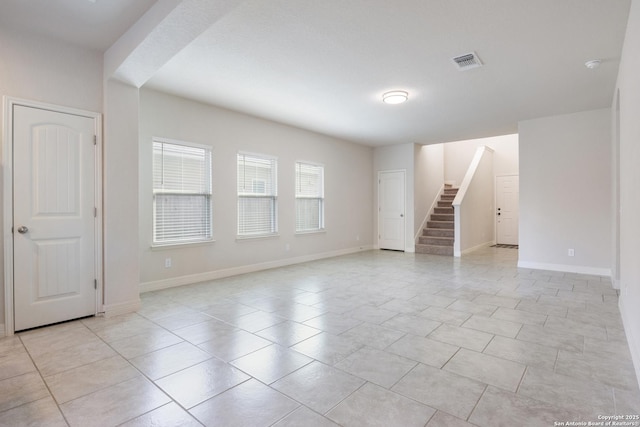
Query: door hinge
x=95, y=139
x=95, y=212
x=95, y=283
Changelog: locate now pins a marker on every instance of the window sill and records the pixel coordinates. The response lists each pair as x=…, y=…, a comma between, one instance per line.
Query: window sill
x=181, y=245
x=305, y=233
x=261, y=236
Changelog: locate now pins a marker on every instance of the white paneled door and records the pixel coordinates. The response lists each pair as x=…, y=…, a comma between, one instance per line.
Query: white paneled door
x=507, y=191
x=54, y=232
x=391, y=206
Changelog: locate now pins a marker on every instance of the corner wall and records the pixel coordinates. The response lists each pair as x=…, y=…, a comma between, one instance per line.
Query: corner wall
x=565, y=175
x=473, y=205
x=120, y=176
x=629, y=170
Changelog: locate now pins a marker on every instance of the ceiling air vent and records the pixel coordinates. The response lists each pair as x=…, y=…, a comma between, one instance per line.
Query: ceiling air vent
x=467, y=61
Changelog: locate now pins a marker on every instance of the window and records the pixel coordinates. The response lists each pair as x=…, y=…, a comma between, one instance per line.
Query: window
x=309, y=197
x=181, y=192
x=257, y=195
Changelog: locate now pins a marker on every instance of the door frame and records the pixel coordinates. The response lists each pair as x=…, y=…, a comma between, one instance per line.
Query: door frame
x=7, y=173
x=495, y=204
x=404, y=207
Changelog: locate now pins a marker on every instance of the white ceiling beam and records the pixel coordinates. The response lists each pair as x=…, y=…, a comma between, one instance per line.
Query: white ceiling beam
x=163, y=31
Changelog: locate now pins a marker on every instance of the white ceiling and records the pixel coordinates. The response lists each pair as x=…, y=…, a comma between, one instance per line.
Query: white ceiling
x=323, y=65
x=95, y=24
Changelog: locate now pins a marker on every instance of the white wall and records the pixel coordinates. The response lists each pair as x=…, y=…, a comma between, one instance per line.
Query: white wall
x=120, y=175
x=38, y=69
x=397, y=157
x=348, y=191
x=474, y=205
x=429, y=181
x=629, y=87
x=565, y=175
x=458, y=155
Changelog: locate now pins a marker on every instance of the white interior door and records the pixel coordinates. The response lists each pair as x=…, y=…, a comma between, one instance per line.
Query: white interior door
x=507, y=190
x=54, y=236
x=391, y=218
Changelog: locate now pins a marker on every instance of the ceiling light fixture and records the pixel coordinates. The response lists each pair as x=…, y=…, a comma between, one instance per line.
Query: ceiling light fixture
x=593, y=64
x=395, y=97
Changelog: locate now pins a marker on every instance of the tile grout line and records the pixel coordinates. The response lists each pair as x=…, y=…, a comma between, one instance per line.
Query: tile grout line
x=43, y=382
x=152, y=381
x=486, y=387
x=143, y=375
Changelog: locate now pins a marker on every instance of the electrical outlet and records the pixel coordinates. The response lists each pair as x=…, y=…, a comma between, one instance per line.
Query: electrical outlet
x=287, y=247
x=357, y=237
x=571, y=252
x=167, y=263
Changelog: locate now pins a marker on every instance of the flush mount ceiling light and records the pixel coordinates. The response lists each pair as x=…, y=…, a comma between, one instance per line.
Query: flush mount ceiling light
x=594, y=63
x=395, y=97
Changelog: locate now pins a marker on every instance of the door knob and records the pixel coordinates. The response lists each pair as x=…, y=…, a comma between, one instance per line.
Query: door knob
x=401, y=215
x=22, y=229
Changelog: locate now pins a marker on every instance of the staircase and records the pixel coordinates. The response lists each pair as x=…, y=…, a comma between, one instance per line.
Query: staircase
x=437, y=238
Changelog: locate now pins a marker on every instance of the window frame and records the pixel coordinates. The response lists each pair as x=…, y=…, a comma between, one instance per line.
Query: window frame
x=271, y=196
x=207, y=235
x=320, y=197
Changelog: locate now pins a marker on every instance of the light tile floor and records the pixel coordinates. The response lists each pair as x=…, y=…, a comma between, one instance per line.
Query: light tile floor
x=371, y=339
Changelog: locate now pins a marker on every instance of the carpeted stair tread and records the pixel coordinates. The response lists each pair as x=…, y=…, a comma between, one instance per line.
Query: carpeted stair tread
x=438, y=237
x=446, y=210
x=440, y=224
x=442, y=217
x=434, y=250
x=438, y=232
x=435, y=240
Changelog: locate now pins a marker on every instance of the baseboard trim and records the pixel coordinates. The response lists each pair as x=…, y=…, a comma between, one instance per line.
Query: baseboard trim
x=579, y=269
x=111, y=310
x=475, y=248
x=632, y=340
x=615, y=283
x=234, y=271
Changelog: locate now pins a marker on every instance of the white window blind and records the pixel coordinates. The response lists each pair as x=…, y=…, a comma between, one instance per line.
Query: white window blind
x=309, y=197
x=257, y=195
x=181, y=192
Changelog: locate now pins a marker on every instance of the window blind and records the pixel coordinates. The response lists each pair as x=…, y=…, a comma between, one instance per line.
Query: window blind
x=309, y=197
x=257, y=195
x=181, y=192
